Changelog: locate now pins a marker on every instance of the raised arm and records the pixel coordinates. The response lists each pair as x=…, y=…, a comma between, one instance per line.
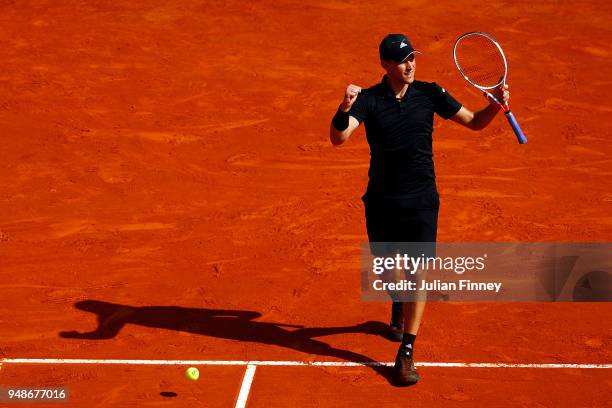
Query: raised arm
x=343, y=124
x=481, y=119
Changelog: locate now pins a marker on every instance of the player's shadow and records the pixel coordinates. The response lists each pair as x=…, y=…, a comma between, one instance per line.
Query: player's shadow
x=227, y=324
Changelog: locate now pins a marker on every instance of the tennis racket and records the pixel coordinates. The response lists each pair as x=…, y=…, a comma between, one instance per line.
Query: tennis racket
x=481, y=61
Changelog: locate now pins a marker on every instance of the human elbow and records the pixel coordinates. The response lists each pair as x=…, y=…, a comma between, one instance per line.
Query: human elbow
x=475, y=126
x=336, y=141
x=336, y=137
x=473, y=123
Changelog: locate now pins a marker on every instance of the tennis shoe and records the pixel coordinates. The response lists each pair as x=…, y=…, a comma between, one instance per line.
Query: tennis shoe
x=405, y=372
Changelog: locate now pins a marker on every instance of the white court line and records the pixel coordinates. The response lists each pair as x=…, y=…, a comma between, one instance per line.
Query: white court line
x=283, y=363
x=245, y=388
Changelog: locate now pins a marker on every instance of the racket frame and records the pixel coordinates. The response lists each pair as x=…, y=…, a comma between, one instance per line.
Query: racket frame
x=485, y=89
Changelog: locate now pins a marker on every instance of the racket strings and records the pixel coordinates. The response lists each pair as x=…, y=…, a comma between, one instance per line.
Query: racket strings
x=479, y=59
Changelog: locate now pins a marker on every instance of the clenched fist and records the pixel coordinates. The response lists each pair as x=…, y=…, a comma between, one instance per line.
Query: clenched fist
x=350, y=96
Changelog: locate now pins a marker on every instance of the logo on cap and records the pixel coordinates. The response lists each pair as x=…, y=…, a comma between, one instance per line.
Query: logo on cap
x=395, y=47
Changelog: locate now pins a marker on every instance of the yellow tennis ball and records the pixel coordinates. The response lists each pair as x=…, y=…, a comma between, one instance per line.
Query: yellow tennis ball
x=192, y=373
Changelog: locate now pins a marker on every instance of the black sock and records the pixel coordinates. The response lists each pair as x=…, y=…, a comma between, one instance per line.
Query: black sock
x=397, y=314
x=407, y=346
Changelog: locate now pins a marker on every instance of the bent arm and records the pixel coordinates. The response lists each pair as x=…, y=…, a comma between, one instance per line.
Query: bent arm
x=337, y=137
x=476, y=120
x=481, y=119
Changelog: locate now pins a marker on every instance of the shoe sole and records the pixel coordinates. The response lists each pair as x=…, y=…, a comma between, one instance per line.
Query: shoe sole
x=406, y=381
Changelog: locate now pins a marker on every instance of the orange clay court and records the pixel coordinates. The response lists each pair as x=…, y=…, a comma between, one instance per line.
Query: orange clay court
x=166, y=168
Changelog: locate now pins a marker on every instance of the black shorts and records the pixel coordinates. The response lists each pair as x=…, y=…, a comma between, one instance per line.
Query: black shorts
x=394, y=225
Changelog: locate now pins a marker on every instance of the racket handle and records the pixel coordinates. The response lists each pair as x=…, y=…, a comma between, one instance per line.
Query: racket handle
x=515, y=126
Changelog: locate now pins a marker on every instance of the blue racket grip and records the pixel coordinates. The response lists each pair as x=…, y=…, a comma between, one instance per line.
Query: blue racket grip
x=517, y=129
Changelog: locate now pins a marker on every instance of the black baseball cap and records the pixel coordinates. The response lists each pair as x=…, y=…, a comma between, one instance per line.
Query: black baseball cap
x=395, y=47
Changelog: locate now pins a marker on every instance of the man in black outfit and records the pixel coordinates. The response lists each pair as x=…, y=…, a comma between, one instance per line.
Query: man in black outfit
x=401, y=201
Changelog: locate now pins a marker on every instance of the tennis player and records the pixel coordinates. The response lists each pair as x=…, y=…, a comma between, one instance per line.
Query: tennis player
x=401, y=200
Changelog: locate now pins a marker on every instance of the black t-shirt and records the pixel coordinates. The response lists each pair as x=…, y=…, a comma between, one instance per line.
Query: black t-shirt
x=400, y=138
